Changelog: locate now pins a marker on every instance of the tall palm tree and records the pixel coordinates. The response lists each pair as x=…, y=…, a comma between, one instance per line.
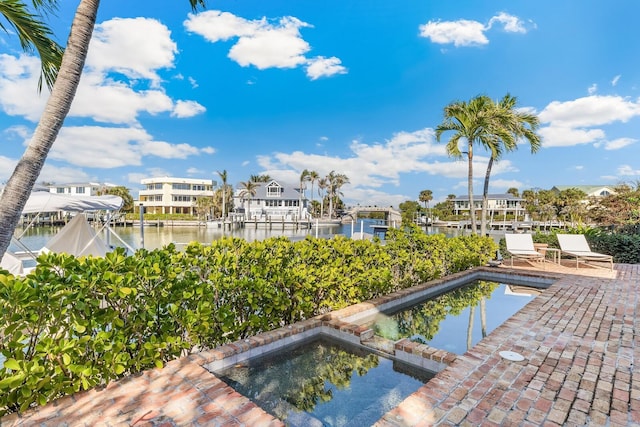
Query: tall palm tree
x=323, y=183
x=28, y=169
x=335, y=182
x=248, y=190
x=425, y=197
x=312, y=177
x=223, y=178
x=509, y=126
x=472, y=122
x=303, y=178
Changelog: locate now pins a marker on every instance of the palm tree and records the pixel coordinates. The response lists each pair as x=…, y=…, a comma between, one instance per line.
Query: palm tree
x=335, y=182
x=471, y=122
x=312, y=177
x=323, y=183
x=26, y=172
x=248, y=190
x=260, y=178
x=223, y=178
x=508, y=127
x=303, y=178
x=425, y=197
x=33, y=33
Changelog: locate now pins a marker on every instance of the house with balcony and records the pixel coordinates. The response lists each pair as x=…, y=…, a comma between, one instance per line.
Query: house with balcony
x=498, y=205
x=169, y=195
x=272, y=200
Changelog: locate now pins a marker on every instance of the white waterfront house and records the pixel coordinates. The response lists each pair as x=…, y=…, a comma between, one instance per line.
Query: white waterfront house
x=498, y=205
x=169, y=195
x=79, y=188
x=271, y=200
x=597, y=191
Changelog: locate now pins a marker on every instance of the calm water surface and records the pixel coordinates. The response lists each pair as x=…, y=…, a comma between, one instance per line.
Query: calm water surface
x=157, y=237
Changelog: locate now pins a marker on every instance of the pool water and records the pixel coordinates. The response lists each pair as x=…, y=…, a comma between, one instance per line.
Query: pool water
x=325, y=382
x=457, y=320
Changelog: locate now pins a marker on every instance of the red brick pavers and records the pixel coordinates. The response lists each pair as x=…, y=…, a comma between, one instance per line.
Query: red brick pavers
x=578, y=339
x=579, y=342
x=181, y=394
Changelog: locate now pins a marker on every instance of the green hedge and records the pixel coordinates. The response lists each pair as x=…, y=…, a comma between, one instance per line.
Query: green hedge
x=74, y=324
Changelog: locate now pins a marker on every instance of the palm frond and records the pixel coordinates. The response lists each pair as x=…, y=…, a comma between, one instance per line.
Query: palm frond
x=34, y=34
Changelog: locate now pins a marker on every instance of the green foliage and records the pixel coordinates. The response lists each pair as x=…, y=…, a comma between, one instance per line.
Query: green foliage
x=76, y=323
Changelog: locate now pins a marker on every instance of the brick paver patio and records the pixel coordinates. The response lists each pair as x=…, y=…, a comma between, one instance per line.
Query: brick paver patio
x=578, y=339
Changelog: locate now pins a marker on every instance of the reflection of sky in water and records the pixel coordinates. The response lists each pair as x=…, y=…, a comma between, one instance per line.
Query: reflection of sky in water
x=360, y=403
x=156, y=237
x=452, y=332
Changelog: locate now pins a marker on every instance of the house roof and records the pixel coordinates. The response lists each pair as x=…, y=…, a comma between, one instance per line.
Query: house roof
x=290, y=192
x=588, y=189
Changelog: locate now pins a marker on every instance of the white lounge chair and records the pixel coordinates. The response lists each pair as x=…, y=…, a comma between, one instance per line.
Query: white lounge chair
x=520, y=246
x=575, y=245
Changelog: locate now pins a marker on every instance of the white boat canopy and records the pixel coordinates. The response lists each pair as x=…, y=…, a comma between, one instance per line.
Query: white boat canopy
x=42, y=201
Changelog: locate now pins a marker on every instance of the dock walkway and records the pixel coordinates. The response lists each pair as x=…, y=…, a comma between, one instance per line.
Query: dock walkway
x=578, y=338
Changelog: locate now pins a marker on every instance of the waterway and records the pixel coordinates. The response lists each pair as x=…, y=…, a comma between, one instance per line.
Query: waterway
x=152, y=237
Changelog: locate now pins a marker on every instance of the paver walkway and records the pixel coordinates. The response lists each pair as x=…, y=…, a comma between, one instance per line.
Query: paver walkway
x=579, y=340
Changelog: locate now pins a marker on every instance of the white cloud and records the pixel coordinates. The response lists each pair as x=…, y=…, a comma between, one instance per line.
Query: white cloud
x=119, y=103
x=593, y=110
x=627, y=170
x=564, y=136
x=615, y=80
x=184, y=109
x=466, y=32
x=460, y=33
x=102, y=147
x=592, y=89
x=18, y=86
x=372, y=166
x=135, y=47
x=49, y=173
x=149, y=173
x=510, y=23
x=619, y=143
x=263, y=43
x=504, y=184
x=194, y=171
x=577, y=122
x=121, y=72
x=324, y=67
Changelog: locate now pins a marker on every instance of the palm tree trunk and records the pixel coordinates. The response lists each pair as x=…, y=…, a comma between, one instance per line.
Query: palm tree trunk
x=483, y=316
x=21, y=182
x=472, y=315
x=485, y=199
x=472, y=210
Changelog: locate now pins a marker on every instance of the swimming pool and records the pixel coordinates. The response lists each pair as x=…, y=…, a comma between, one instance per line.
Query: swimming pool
x=325, y=403
x=456, y=320
x=325, y=382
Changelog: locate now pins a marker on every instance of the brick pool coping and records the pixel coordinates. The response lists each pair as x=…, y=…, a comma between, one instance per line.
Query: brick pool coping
x=577, y=338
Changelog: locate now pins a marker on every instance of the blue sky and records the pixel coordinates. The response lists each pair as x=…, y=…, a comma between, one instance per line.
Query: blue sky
x=275, y=87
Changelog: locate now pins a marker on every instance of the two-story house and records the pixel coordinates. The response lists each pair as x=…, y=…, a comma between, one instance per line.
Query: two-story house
x=271, y=200
x=166, y=195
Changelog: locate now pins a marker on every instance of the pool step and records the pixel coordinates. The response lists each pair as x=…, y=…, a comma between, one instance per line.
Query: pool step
x=381, y=344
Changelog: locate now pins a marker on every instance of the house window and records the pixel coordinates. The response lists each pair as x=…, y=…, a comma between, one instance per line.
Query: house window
x=79, y=190
x=60, y=190
x=198, y=187
x=182, y=198
x=274, y=190
x=181, y=186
